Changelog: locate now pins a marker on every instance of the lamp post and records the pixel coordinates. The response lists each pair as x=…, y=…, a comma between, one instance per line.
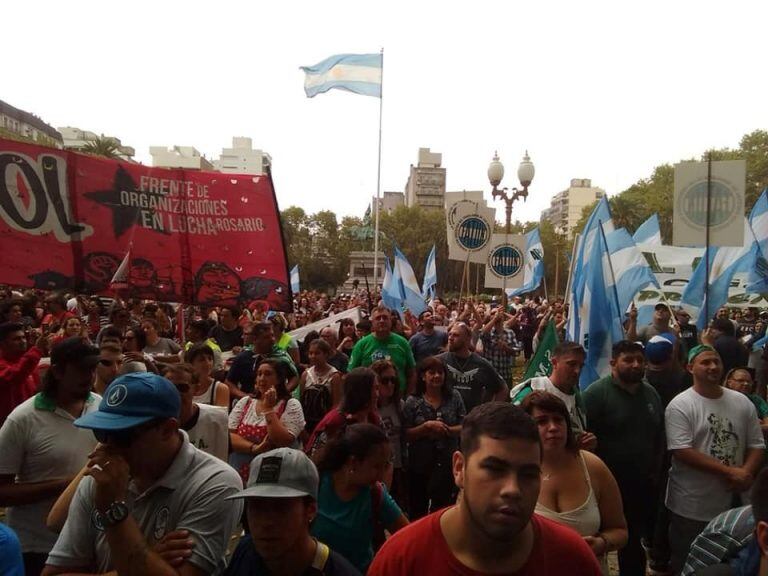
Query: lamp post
x=559, y=233
x=525, y=174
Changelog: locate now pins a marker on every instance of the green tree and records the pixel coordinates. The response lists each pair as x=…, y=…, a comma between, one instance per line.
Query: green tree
x=102, y=146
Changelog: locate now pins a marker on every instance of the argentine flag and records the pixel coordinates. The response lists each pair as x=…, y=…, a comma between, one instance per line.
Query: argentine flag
x=358, y=73
x=630, y=268
x=648, y=232
x=295, y=279
x=534, y=264
x=430, y=276
x=390, y=289
x=409, y=286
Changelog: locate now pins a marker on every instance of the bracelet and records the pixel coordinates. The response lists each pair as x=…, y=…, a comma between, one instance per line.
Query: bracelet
x=605, y=542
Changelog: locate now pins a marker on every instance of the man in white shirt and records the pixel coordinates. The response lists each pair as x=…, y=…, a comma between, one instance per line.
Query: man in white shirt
x=41, y=450
x=717, y=448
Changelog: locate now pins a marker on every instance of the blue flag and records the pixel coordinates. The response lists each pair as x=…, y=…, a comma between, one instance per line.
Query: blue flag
x=430, y=276
x=648, y=232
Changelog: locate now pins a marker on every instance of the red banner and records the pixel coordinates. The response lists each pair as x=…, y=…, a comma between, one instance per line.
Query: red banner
x=68, y=220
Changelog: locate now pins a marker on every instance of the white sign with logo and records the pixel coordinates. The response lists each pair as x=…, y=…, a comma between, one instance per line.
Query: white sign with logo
x=505, y=265
x=726, y=203
x=470, y=237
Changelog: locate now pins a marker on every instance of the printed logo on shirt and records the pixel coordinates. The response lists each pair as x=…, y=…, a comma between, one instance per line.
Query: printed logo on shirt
x=462, y=377
x=725, y=441
x=161, y=523
x=380, y=355
x=269, y=472
x=117, y=395
x=96, y=520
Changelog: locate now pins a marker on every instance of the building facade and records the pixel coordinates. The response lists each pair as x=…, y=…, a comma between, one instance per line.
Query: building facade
x=179, y=157
x=426, y=183
x=361, y=269
x=566, y=207
x=242, y=158
x=388, y=203
x=76, y=139
x=25, y=125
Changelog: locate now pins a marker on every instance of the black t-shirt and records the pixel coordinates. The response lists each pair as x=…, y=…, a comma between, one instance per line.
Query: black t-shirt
x=689, y=334
x=668, y=383
x=340, y=361
x=474, y=377
x=732, y=352
x=227, y=339
x=247, y=562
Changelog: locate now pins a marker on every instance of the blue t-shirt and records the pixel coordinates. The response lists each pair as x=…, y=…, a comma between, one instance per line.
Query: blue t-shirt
x=347, y=527
x=247, y=562
x=11, y=562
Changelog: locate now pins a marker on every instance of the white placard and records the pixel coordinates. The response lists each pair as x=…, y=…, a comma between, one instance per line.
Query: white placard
x=505, y=264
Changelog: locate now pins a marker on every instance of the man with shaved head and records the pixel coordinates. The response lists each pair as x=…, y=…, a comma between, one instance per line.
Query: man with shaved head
x=472, y=375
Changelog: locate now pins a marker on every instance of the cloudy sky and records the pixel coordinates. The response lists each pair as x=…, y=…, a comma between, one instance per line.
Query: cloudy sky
x=600, y=90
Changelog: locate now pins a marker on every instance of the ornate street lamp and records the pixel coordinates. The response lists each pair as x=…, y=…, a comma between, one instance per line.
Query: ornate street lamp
x=559, y=239
x=525, y=173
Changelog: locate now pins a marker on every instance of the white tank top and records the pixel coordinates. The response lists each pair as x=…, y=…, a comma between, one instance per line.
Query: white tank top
x=314, y=379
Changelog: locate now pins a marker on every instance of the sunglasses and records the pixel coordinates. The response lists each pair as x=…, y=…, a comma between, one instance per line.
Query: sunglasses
x=123, y=438
x=183, y=388
x=389, y=380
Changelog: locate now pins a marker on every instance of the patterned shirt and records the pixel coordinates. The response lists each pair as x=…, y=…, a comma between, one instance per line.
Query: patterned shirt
x=499, y=357
x=721, y=540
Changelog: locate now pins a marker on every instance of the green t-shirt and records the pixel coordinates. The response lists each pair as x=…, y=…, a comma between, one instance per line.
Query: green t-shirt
x=394, y=348
x=629, y=427
x=760, y=405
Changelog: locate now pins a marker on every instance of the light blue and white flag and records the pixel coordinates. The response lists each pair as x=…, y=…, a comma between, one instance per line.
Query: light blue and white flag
x=534, y=264
x=630, y=268
x=390, y=289
x=430, y=276
x=581, y=263
x=409, y=286
x=358, y=73
x=295, y=279
x=648, y=232
x=601, y=317
x=757, y=282
x=724, y=262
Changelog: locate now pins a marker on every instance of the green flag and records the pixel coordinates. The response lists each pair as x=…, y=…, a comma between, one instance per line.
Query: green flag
x=541, y=365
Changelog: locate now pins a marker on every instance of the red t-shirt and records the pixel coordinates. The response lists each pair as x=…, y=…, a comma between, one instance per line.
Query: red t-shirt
x=19, y=380
x=420, y=548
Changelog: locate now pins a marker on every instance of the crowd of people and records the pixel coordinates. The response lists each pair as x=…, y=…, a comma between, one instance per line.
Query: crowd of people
x=138, y=438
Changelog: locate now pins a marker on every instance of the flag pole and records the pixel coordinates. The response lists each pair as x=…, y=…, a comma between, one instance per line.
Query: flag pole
x=706, y=249
x=378, y=185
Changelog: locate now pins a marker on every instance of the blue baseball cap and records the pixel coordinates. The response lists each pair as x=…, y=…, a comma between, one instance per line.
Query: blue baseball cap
x=131, y=400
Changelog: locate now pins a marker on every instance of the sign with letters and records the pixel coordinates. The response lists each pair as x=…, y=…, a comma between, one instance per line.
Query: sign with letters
x=68, y=220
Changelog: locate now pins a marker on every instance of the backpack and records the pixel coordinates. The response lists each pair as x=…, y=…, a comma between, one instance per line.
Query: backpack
x=316, y=402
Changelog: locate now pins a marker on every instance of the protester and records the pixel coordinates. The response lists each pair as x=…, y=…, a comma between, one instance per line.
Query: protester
x=625, y=414
x=161, y=349
x=659, y=325
x=383, y=344
x=134, y=360
x=726, y=546
x=337, y=359
x=492, y=528
x=283, y=340
x=206, y=426
x=722, y=337
x=689, y=333
x=197, y=333
x=578, y=490
x=499, y=343
x=241, y=375
x=208, y=390
x=390, y=407
x=717, y=448
x=427, y=341
x=144, y=481
x=119, y=318
x=40, y=449
x=361, y=395
x=57, y=313
x=72, y=328
x=352, y=499
x=110, y=363
x=347, y=336
x=468, y=372
x=567, y=360
x=281, y=504
x=320, y=386
x=19, y=378
x=228, y=334
x=432, y=419
x=268, y=419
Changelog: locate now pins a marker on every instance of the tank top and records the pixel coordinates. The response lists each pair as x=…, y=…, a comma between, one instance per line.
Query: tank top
x=584, y=519
x=208, y=396
x=314, y=379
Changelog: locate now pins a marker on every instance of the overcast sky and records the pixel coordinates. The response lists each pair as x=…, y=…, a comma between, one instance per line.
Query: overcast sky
x=600, y=90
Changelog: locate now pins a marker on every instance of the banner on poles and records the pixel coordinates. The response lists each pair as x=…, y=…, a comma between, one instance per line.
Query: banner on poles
x=68, y=220
x=470, y=224
x=726, y=203
x=505, y=266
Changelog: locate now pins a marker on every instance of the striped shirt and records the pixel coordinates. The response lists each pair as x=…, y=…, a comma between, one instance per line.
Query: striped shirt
x=722, y=539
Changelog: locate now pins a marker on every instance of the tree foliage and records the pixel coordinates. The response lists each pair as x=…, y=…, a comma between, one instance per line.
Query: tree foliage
x=102, y=146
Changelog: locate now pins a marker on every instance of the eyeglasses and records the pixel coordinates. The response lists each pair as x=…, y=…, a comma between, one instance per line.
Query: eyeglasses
x=123, y=438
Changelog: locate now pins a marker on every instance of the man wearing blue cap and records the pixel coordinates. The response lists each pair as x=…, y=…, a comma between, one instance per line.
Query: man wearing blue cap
x=144, y=481
x=281, y=502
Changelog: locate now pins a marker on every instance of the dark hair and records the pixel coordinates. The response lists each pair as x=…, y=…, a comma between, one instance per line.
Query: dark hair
x=109, y=347
x=346, y=322
x=364, y=325
x=180, y=368
x=201, y=326
x=283, y=375
x=500, y=421
x=626, y=347
x=568, y=347
x=357, y=440
x=155, y=324
x=8, y=328
x=381, y=366
x=548, y=402
x=724, y=325
x=427, y=364
x=141, y=337
x=6, y=307
x=320, y=344
x=260, y=327
x=201, y=349
x=233, y=309
x=358, y=390
x=111, y=332
x=760, y=497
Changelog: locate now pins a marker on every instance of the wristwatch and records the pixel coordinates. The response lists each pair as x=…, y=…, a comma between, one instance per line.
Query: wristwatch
x=116, y=513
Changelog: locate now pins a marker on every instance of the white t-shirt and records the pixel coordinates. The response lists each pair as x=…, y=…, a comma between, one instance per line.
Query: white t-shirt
x=211, y=432
x=39, y=442
x=209, y=395
x=544, y=384
x=292, y=417
x=722, y=428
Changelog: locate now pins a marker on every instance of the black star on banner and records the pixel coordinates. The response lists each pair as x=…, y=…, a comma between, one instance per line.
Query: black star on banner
x=123, y=217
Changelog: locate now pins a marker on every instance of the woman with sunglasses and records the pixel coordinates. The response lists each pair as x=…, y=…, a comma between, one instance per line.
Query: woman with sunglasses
x=740, y=380
x=134, y=360
x=390, y=407
x=432, y=420
x=267, y=419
